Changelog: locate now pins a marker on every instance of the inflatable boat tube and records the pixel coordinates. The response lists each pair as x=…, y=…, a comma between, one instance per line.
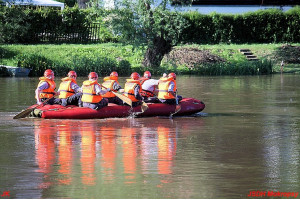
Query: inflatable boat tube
x=188, y=106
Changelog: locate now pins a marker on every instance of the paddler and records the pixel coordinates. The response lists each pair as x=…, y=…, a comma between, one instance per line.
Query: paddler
x=70, y=92
x=92, y=96
x=46, y=89
x=133, y=89
x=149, y=87
x=112, y=83
x=167, y=89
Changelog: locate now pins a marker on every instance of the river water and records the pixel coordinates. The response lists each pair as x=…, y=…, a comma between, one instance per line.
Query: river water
x=246, y=139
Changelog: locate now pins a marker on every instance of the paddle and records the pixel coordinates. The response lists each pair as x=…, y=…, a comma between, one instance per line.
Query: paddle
x=26, y=112
x=144, y=106
x=178, y=106
x=122, y=97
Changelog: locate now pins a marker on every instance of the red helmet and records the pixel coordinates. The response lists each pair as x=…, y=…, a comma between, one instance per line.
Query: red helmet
x=172, y=75
x=147, y=74
x=48, y=72
x=115, y=74
x=72, y=73
x=93, y=75
x=135, y=76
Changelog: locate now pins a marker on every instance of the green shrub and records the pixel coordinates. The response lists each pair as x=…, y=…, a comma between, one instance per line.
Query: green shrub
x=37, y=63
x=263, y=26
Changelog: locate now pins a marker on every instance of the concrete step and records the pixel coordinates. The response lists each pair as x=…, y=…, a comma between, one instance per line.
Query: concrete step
x=252, y=59
x=244, y=50
x=247, y=53
x=251, y=56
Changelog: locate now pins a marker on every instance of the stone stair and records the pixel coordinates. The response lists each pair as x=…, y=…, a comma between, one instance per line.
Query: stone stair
x=249, y=55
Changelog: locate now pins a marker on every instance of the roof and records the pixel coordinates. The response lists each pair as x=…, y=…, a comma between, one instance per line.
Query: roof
x=36, y=3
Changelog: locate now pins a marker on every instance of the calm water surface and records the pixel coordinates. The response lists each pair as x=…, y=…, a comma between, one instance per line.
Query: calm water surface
x=246, y=139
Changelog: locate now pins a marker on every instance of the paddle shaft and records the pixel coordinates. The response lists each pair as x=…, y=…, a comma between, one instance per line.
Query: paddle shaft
x=122, y=97
x=26, y=112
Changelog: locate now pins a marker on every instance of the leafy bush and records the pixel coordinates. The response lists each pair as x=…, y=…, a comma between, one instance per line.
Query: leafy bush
x=37, y=63
x=262, y=26
x=25, y=25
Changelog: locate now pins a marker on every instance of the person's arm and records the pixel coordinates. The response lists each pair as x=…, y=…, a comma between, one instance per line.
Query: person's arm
x=171, y=89
x=43, y=86
x=101, y=91
x=37, y=96
x=76, y=88
x=116, y=87
x=137, y=93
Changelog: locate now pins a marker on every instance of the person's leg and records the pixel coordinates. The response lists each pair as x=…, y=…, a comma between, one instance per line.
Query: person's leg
x=168, y=101
x=135, y=104
x=101, y=104
x=152, y=100
x=64, y=102
x=74, y=99
x=89, y=105
x=51, y=101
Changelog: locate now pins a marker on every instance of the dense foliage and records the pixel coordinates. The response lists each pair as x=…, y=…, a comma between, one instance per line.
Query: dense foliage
x=262, y=26
x=19, y=25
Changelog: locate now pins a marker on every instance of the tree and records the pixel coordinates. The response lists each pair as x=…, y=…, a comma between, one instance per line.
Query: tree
x=82, y=3
x=149, y=24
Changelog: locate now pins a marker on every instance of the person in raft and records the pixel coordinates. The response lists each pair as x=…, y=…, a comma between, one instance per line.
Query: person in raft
x=112, y=83
x=46, y=89
x=70, y=92
x=92, y=93
x=149, y=87
x=133, y=89
x=167, y=89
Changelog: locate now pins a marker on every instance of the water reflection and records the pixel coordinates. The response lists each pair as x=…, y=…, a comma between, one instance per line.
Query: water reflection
x=102, y=151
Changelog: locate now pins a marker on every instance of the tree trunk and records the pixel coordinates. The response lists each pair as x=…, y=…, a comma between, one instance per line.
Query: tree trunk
x=82, y=3
x=155, y=53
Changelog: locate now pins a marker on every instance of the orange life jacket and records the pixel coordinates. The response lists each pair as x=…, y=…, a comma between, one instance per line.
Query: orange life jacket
x=129, y=89
x=145, y=93
x=108, y=83
x=89, y=93
x=163, y=87
x=65, y=88
x=143, y=79
x=47, y=93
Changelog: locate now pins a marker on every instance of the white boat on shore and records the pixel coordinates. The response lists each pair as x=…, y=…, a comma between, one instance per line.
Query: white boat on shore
x=17, y=71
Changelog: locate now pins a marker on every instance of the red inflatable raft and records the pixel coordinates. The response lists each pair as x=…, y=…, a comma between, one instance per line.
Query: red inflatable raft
x=188, y=106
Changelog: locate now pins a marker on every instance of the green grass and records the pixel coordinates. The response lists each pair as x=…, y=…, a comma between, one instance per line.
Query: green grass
x=66, y=51
x=113, y=56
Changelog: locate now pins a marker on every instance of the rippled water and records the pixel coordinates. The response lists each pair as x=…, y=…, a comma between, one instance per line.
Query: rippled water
x=246, y=139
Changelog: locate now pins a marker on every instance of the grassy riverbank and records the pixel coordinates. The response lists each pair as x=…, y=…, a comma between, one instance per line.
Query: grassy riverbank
x=218, y=59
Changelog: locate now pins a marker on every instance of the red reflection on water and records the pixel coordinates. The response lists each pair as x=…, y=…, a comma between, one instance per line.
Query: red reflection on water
x=88, y=153
x=129, y=153
x=146, y=148
x=108, y=151
x=45, y=149
x=166, y=143
x=65, y=153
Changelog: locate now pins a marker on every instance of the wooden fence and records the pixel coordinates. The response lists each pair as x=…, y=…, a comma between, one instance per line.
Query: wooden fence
x=70, y=34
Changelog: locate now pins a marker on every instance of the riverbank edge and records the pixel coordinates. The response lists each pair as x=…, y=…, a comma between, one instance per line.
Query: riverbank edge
x=229, y=52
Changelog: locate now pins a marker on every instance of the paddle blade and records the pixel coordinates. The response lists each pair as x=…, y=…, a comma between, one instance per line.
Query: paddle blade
x=144, y=106
x=178, y=108
x=124, y=98
x=23, y=114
